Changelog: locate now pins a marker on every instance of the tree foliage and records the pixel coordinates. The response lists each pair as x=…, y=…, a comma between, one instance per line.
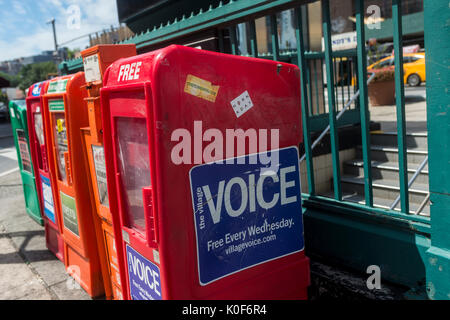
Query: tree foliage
x=72, y=53
x=384, y=74
x=32, y=73
x=13, y=80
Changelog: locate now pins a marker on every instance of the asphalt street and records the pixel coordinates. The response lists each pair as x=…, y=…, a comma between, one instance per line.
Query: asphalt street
x=8, y=154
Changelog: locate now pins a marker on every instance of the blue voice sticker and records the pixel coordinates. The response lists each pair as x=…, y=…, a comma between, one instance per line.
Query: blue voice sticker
x=144, y=277
x=49, y=208
x=36, y=90
x=246, y=213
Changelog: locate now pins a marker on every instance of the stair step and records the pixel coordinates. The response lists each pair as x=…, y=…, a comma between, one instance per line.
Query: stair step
x=382, y=203
x=385, y=170
x=417, y=140
x=384, y=188
x=390, y=154
x=387, y=184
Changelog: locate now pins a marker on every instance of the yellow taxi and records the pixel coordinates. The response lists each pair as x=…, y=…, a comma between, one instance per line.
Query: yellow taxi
x=413, y=66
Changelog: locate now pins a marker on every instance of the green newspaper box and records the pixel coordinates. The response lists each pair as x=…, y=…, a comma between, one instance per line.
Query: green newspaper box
x=18, y=111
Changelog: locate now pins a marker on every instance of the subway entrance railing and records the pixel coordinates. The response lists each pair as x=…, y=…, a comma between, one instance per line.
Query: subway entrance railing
x=330, y=99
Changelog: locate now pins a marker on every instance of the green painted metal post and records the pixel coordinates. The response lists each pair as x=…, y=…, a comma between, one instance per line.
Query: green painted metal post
x=305, y=107
x=363, y=102
x=322, y=82
x=221, y=46
x=326, y=26
x=341, y=80
x=348, y=79
x=274, y=37
x=437, y=44
x=400, y=103
x=336, y=97
x=253, y=43
x=308, y=81
x=316, y=84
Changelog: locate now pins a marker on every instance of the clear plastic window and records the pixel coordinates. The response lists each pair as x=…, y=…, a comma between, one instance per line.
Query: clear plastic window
x=134, y=166
x=60, y=134
x=23, y=149
x=286, y=30
x=100, y=174
x=39, y=127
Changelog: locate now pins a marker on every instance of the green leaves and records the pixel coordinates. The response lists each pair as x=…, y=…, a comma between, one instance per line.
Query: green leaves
x=36, y=72
x=12, y=79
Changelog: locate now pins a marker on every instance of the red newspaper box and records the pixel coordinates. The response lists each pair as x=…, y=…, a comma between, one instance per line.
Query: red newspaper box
x=37, y=115
x=203, y=175
x=67, y=114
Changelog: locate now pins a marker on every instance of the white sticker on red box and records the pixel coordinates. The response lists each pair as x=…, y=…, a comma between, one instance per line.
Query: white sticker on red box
x=242, y=104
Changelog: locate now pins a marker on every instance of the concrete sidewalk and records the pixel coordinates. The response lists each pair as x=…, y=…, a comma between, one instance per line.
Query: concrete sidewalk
x=28, y=270
x=415, y=115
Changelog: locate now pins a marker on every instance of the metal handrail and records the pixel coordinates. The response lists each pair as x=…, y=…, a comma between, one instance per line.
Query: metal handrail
x=413, y=178
x=325, y=131
x=411, y=181
x=422, y=205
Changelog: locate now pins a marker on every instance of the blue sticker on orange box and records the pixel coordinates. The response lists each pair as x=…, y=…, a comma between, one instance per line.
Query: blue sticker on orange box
x=144, y=277
x=247, y=211
x=49, y=208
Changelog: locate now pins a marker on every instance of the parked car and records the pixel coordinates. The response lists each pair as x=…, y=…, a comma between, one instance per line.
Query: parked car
x=379, y=51
x=4, y=112
x=413, y=67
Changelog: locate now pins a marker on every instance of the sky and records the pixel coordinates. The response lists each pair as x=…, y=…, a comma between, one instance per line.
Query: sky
x=24, y=31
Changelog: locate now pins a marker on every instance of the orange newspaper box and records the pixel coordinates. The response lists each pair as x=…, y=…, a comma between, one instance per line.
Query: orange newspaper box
x=95, y=60
x=38, y=124
x=67, y=115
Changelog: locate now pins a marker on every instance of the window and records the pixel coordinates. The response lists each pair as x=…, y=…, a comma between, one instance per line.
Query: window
x=134, y=167
x=415, y=58
x=384, y=64
x=60, y=134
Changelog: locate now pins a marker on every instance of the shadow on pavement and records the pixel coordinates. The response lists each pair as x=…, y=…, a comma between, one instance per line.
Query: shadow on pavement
x=27, y=255
x=411, y=126
x=414, y=99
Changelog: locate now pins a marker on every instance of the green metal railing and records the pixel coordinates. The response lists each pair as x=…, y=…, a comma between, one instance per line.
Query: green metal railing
x=364, y=104
x=319, y=94
x=320, y=114
x=315, y=71
x=326, y=29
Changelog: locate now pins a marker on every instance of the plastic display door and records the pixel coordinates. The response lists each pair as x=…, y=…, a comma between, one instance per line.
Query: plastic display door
x=19, y=124
x=132, y=164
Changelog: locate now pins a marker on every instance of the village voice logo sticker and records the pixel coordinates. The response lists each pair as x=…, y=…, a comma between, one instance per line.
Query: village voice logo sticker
x=49, y=208
x=144, y=277
x=36, y=90
x=246, y=215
